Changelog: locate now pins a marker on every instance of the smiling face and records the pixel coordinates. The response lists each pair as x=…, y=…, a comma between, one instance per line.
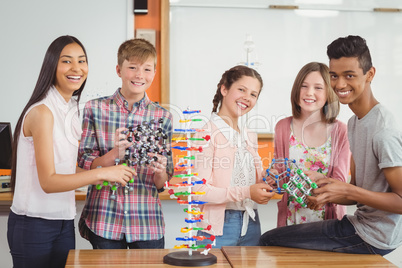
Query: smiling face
x=72, y=70
x=136, y=78
x=348, y=80
x=313, y=94
x=240, y=98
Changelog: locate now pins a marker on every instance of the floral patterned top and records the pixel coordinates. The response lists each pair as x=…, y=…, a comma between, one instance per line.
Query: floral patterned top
x=307, y=158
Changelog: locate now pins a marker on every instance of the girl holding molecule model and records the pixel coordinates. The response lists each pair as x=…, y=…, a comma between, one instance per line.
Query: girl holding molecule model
x=315, y=139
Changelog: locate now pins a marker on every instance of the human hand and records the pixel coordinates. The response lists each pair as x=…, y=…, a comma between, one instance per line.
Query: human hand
x=269, y=180
x=159, y=164
x=260, y=193
x=118, y=174
x=311, y=203
x=159, y=168
x=274, y=171
x=329, y=191
x=120, y=142
x=314, y=175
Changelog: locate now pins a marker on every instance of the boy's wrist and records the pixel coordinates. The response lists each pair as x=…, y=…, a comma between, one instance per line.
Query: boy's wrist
x=160, y=190
x=160, y=180
x=111, y=156
x=105, y=160
x=114, y=153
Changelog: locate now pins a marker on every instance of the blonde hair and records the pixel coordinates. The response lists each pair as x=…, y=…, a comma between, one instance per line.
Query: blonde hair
x=137, y=49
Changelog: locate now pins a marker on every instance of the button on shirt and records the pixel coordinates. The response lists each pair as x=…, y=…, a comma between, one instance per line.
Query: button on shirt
x=134, y=215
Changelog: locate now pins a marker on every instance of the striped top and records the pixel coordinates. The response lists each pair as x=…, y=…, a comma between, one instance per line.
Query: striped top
x=134, y=215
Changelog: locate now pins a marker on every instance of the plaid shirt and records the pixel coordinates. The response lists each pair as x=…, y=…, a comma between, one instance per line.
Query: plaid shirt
x=134, y=215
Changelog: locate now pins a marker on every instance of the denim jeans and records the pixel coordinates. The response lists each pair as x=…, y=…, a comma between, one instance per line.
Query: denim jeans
x=232, y=231
x=328, y=235
x=36, y=242
x=98, y=242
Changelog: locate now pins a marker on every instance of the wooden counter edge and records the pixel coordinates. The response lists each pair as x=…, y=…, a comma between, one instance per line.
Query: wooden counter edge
x=81, y=196
x=261, y=136
x=8, y=196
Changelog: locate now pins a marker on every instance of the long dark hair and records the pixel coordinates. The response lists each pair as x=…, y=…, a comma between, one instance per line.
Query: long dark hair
x=231, y=76
x=47, y=78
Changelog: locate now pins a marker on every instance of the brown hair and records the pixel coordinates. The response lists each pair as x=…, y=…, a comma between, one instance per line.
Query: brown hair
x=231, y=76
x=137, y=49
x=331, y=108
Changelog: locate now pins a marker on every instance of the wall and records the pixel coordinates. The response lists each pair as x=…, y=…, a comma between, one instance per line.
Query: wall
x=152, y=20
x=208, y=37
x=28, y=28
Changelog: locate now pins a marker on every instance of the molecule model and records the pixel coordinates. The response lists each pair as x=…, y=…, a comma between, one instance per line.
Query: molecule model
x=194, y=214
x=299, y=185
x=148, y=137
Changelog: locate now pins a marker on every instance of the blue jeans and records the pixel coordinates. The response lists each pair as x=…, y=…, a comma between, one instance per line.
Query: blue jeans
x=98, y=242
x=232, y=231
x=36, y=242
x=328, y=235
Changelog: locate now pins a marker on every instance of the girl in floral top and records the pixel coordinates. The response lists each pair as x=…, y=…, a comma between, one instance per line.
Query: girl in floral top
x=315, y=139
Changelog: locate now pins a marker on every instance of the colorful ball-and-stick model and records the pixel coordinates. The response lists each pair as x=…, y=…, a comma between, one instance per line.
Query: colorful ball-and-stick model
x=298, y=186
x=114, y=186
x=194, y=214
x=148, y=137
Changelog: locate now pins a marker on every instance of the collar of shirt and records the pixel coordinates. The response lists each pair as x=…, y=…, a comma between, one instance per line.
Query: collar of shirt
x=228, y=132
x=122, y=102
x=60, y=101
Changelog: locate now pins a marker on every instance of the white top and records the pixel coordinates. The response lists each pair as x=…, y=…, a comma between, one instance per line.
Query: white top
x=243, y=167
x=29, y=198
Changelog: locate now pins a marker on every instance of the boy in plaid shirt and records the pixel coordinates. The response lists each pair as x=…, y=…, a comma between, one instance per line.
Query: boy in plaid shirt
x=133, y=218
